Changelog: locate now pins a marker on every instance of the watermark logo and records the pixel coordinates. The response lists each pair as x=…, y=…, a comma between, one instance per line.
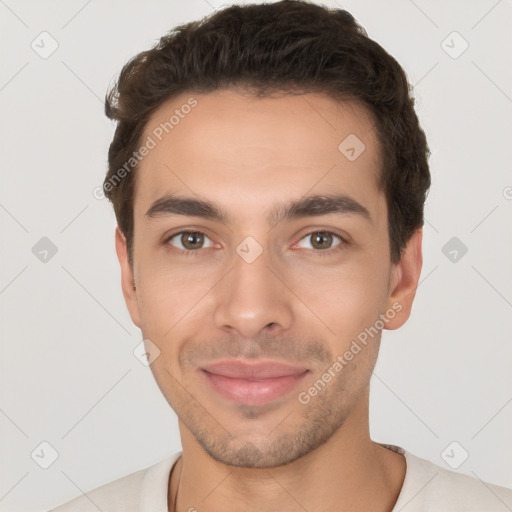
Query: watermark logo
x=44, y=45
x=44, y=455
x=454, y=249
x=352, y=147
x=455, y=455
x=249, y=249
x=454, y=45
x=44, y=250
x=146, y=352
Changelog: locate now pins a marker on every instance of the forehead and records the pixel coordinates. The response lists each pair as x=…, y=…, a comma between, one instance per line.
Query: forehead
x=240, y=150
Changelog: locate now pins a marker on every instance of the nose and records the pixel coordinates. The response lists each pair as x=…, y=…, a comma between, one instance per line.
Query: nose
x=253, y=298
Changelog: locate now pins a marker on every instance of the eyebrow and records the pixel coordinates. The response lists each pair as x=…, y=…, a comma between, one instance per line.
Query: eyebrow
x=171, y=205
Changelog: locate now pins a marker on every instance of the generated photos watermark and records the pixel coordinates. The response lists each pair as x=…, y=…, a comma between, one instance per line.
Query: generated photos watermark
x=157, y=135
x=341, y=361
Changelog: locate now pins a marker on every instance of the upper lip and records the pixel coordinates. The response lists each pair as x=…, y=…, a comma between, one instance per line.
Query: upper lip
x=239, y=369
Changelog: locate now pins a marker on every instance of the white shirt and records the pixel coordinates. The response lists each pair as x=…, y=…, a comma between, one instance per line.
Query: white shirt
x=426, y=488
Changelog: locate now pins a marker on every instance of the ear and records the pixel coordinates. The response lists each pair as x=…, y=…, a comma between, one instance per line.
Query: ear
x=404, y=280
x=127, y=278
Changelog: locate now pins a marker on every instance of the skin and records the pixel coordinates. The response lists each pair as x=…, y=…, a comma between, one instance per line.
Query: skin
x=295, y=303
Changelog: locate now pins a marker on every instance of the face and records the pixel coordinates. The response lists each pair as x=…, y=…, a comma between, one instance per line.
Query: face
x=261, y=237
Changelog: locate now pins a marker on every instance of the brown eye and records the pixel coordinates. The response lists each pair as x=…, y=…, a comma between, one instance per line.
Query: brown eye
x=190, y=240
x=320, y=240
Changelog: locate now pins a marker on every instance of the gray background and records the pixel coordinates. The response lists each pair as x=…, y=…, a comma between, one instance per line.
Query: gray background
x=68, y=376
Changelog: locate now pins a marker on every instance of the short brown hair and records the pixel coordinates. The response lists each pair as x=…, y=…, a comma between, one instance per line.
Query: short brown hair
x=289, y=46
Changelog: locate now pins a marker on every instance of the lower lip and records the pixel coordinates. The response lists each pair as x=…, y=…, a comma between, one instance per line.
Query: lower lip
x=252, y=392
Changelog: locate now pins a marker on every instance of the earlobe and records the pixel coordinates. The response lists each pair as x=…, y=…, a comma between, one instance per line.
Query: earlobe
x=404, y=281
x=127, y=278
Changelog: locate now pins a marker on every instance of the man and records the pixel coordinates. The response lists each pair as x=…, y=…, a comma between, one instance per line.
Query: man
x=268, y=175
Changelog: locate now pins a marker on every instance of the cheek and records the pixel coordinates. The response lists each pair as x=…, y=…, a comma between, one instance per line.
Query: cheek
x=347, y=298
x=170, y=297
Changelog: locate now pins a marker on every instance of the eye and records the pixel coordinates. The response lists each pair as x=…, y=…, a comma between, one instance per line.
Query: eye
x=190, y=241
x=320, y=240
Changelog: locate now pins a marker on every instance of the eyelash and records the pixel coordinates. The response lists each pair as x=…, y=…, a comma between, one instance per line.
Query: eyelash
x=333, y=250
x=318, y=252
x=181, y=252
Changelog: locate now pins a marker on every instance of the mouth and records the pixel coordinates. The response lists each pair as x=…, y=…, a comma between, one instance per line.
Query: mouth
x=252, y=383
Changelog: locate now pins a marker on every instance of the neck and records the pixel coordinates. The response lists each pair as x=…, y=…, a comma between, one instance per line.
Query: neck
x=348, y=472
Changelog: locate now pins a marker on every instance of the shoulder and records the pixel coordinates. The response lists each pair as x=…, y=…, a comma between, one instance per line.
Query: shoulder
x=132, y=492
x=428, y=487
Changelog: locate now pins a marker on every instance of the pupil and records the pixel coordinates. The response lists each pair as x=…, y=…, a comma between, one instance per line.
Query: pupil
x=191, y=240
x=323, y=239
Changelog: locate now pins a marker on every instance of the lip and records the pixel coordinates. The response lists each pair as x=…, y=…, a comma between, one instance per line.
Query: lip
x=254, y=383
